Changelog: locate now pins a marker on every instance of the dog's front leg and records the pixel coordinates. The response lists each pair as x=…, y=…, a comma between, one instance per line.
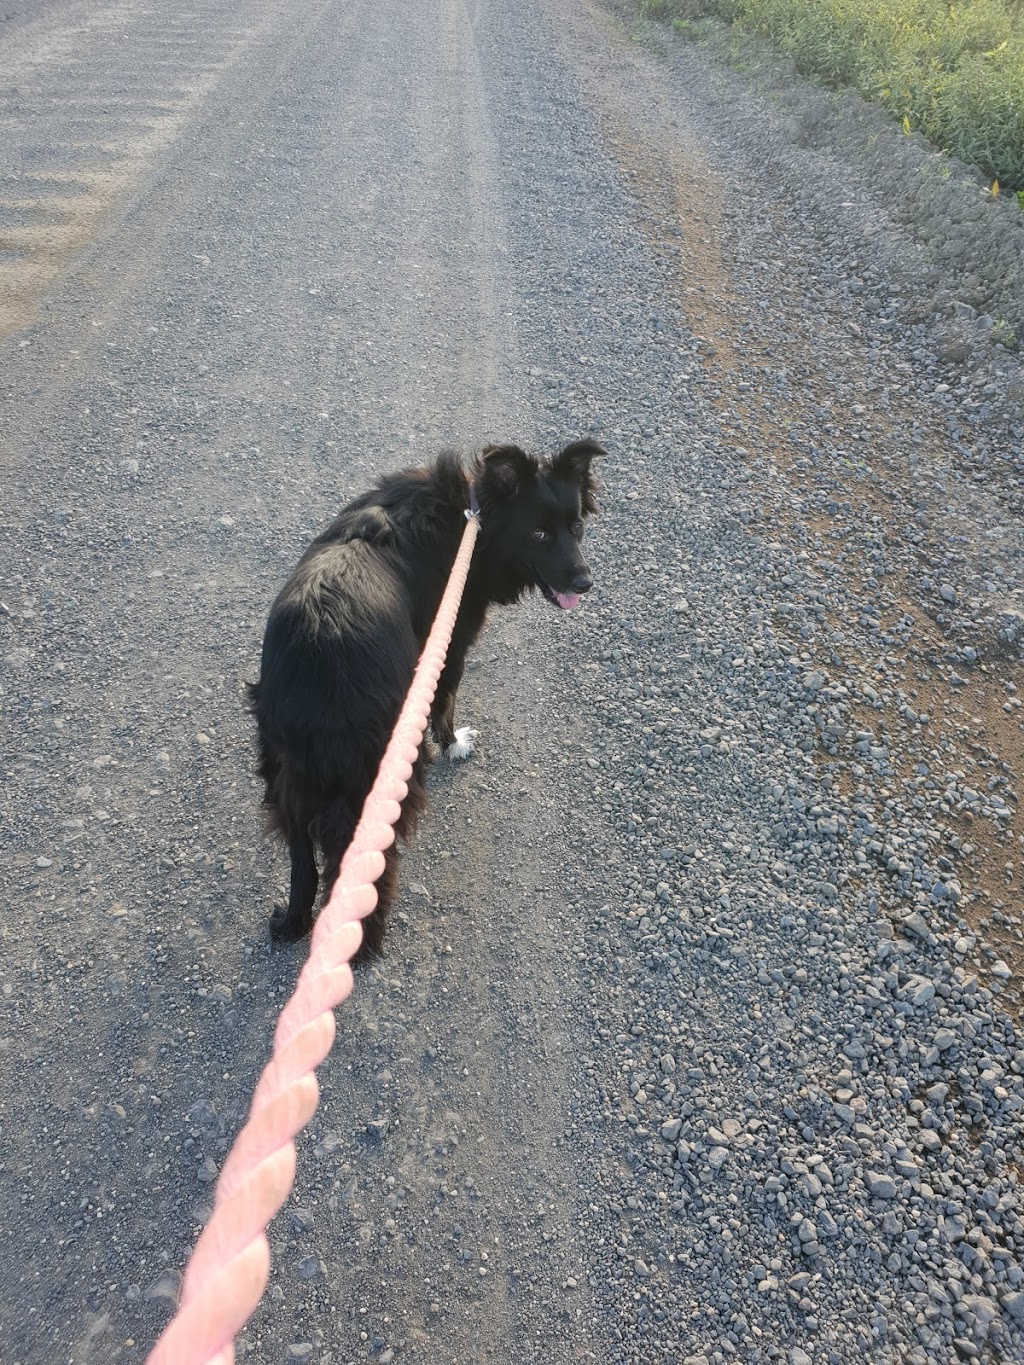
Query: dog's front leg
x=454, y=744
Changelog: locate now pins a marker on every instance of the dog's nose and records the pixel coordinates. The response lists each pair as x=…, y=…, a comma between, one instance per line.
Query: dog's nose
x=582, y=583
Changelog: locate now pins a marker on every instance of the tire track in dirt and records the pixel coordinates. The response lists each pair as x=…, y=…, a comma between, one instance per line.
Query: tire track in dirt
x=77, y=136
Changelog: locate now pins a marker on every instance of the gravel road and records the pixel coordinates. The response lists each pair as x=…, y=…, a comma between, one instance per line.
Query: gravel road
x=696, y=1038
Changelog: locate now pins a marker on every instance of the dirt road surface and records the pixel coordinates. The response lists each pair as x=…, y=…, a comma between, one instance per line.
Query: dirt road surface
x=695, y=1036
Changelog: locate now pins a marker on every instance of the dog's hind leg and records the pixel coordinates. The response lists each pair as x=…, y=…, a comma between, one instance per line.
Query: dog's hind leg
x=375, y=925
x=334, y=829
x=296, y=919
x=334, y=846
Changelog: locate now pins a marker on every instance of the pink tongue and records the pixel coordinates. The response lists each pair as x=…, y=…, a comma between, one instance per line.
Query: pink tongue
x=567, y=600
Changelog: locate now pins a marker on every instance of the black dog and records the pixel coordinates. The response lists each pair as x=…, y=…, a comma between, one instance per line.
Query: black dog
x=346, y=630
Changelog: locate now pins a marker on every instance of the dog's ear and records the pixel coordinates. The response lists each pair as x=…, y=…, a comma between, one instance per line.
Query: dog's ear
x=503, y=470
x=573, y=465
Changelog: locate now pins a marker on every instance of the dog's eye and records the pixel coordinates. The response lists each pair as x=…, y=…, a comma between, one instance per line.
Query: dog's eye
x=539, y=534
x=578, y=529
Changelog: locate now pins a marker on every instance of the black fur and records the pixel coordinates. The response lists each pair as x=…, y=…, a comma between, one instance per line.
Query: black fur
x=347, y=628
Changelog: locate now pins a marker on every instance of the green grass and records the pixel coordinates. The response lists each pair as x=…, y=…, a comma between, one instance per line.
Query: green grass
x=953, y=71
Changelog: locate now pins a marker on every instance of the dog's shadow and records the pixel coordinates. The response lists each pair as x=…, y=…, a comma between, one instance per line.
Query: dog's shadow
x=442, y=773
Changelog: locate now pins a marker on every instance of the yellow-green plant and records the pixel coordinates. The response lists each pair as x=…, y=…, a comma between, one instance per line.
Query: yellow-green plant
x=953, y=71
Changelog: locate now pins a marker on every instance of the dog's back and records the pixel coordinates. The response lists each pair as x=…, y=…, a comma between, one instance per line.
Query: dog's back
x=337, y=655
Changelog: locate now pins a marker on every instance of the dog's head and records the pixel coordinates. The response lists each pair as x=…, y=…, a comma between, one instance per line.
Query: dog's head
x=532, y=517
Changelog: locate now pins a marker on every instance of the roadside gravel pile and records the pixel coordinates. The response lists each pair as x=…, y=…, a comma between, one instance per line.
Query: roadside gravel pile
x=824, y=1137
x=810, y=1101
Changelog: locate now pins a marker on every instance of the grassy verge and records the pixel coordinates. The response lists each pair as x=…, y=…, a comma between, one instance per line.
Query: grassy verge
x=953, y=71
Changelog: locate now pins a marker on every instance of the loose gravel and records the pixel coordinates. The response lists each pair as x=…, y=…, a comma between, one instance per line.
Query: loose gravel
x=696, y=1037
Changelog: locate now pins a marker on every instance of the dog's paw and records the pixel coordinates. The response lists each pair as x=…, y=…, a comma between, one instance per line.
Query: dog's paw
x=285, y=928
x=463, y=746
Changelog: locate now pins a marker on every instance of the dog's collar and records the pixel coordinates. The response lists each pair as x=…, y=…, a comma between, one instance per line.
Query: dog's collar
x=474, y=505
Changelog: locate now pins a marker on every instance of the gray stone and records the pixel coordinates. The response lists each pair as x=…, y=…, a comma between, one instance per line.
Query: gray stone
x=880, y=1186
x=919, y=990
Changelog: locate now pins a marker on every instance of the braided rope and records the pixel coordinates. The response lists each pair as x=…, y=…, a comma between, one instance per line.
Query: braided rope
x=230, y=1266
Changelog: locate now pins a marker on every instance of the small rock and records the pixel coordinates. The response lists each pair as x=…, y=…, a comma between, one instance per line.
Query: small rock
x=916, y=924
x=905, y=1165
x=302, y=1218
x=919, y=990
x=166, y=1286
x=880, y=1186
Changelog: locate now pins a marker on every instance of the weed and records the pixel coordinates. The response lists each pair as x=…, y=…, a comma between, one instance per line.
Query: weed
x=954, y=72
x=1004, y=334
x=691, y=30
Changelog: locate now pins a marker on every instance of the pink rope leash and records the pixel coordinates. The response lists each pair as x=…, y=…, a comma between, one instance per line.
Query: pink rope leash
x=230, y=1265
